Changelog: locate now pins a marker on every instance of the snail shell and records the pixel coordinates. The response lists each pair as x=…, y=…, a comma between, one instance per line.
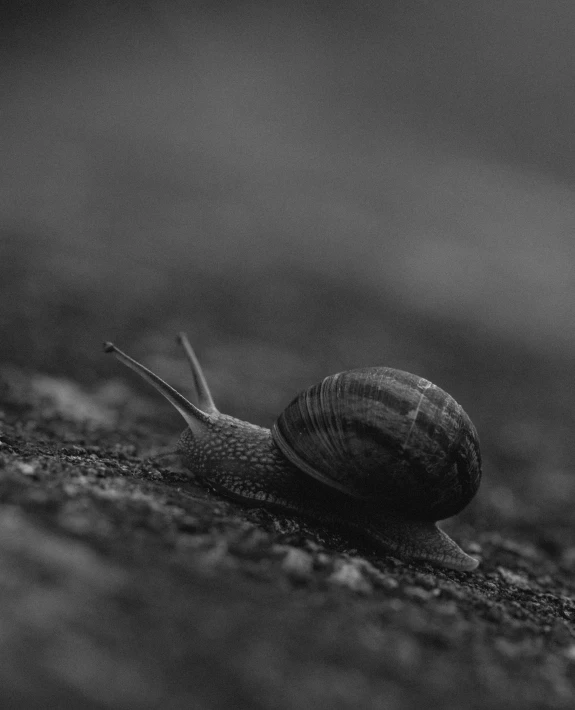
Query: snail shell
x=386, y=435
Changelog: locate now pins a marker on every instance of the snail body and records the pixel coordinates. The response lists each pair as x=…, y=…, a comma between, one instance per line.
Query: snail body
x=377, y=450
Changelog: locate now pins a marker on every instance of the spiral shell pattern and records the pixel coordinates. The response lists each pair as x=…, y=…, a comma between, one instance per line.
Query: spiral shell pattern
x=387, y=436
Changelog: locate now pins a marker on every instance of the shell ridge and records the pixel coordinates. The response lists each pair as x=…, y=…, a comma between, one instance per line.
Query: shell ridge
x=385, y=435
x=416, y=412
x=322, y=414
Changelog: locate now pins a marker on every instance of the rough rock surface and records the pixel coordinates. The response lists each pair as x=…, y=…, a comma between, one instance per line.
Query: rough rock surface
x=125, y=583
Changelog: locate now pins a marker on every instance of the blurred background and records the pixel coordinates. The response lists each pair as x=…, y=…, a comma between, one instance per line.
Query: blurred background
x=304, y=188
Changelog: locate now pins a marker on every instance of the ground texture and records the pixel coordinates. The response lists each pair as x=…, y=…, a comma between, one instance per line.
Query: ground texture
x=125, y=583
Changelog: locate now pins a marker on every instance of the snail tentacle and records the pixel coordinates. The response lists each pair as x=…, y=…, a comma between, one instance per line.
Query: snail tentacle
x=195, y=418
x=205, y=400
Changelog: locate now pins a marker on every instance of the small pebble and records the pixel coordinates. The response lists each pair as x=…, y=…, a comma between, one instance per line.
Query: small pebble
x=474, y=548
x=373, y=574
x=323, y=559
x=347, y=574
x=26, y=468
x=490, y=586
x=517, y=580
x=452, y=592
x=427, y=581
x=507, y=648
x=421, y=594
x=387, y=583
x=298, y=564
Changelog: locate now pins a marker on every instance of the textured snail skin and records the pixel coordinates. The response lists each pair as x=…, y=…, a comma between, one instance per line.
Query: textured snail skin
x=241, y=461
x=244, y=462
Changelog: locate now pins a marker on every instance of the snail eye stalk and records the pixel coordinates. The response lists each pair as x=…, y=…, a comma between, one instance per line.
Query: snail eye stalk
x=194, y=417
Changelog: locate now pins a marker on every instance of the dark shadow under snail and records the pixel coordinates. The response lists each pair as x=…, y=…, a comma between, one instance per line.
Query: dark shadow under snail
x=376, y=450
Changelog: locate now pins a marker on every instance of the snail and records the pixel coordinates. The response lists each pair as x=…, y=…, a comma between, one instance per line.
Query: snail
x=377, y=450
